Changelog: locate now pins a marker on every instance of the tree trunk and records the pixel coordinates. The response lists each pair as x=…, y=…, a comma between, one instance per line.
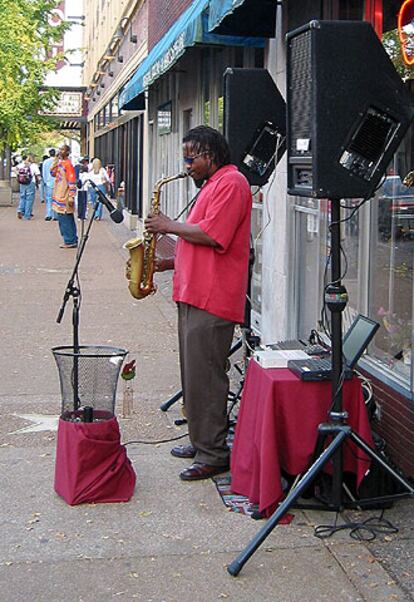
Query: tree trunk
x=7, y=162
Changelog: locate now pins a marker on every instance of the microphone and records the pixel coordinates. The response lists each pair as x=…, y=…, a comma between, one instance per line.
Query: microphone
x=115, y=214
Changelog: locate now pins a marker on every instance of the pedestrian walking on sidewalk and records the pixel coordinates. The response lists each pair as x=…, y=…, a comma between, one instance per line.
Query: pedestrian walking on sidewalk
x=82, y=183
x=42, y=182
x=209, y=287
x=64, y=192
x=28, y=177
x=99, y=176
x=48, y=183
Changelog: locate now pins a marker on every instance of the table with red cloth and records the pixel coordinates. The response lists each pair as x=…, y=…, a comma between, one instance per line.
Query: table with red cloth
x=277, y=429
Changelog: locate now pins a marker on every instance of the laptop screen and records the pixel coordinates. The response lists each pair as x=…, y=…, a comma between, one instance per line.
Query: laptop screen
x=357, y=339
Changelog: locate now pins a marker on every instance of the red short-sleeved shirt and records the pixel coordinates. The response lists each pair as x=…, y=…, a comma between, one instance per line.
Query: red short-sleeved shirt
x=215, y=279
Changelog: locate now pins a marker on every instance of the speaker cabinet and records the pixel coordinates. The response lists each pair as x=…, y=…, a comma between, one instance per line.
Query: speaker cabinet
x=254, y=122
x=348, y=110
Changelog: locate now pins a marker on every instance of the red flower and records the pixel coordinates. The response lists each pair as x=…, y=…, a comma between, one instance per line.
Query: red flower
x=128, y=371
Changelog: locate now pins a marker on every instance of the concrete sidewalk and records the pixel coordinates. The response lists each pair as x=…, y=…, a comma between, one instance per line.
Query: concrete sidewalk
x=173, y=541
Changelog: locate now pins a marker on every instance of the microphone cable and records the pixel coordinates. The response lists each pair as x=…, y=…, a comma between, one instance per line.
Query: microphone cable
x=366, y=530
x=155, y=442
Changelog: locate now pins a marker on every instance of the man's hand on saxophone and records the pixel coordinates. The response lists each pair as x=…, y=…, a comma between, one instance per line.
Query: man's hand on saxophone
x=162, y=224
x=158, y=224
x=163, y=264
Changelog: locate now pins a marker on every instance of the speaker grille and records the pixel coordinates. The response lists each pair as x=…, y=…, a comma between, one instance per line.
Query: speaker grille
x=371, y=139
x=300, y=89
x=369, y=143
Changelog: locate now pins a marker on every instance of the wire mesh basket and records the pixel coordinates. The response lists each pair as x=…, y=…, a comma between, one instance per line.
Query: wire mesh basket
x=88, y=381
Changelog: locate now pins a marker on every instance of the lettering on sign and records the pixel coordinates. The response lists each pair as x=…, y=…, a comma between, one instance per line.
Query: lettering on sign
x=69, y=104
x=165, y=62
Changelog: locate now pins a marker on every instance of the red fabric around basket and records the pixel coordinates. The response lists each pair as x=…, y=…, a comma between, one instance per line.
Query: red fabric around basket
x=91, y=464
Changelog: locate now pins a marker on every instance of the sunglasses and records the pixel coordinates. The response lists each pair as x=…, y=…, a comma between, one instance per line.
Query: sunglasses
x=190, y=160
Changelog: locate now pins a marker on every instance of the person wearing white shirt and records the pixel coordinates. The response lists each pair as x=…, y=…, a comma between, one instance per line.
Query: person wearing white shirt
x=28, y=176
x=48, y=183
x=99, y=176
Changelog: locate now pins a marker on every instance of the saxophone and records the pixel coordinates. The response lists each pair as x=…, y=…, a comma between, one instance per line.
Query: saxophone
x=140, y=265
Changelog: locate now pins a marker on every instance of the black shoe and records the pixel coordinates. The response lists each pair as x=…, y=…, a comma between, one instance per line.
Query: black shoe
x=183, y=451
x=198, y=471
x=47, y=219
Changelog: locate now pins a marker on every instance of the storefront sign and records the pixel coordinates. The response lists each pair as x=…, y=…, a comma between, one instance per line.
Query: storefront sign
x=68, y=105
x=164, y=118
x=406, y=31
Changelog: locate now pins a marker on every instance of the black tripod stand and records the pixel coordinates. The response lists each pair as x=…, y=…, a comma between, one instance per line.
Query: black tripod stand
x=167, y=404
x=337, y=428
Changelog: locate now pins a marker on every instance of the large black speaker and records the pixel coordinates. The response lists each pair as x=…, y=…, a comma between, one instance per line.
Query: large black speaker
x=254, y=122
x=348, y=110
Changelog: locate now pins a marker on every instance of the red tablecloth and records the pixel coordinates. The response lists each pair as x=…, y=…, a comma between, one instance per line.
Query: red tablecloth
x=277, y=429
x=91, y=464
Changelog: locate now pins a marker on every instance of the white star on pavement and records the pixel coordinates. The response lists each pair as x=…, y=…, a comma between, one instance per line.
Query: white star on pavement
x=42, y=422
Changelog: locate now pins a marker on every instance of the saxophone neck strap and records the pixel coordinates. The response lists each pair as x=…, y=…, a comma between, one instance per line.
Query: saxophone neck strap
x=189, y=206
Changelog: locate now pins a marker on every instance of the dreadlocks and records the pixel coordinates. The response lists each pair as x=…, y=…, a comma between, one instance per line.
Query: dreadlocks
x=204, y=138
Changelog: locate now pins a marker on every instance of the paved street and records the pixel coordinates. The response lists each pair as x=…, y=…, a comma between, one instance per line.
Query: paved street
x=173, y=540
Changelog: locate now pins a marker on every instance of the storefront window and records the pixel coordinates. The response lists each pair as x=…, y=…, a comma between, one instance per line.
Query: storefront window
x=385, y=259
x=106, y=115
x=392, y=270
x=206, y=116
x=220, y=111
x=115, y=110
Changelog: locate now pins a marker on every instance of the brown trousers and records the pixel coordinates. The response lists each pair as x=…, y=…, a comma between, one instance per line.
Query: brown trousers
x=204, y=342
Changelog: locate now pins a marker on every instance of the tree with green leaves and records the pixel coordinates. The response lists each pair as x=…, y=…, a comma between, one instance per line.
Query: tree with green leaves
x=392, y=45
x=27, y=35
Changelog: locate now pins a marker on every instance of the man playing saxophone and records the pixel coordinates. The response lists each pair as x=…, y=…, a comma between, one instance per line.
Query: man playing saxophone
x=209, y=287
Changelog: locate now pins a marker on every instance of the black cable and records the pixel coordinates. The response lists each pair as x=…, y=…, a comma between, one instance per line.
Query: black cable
x=324, y=318
x=234, y=400
x=366, y=530
x=353, y=210
x=156, y=442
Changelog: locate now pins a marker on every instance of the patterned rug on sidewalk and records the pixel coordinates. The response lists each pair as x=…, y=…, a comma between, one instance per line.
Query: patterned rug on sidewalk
x=239, y=503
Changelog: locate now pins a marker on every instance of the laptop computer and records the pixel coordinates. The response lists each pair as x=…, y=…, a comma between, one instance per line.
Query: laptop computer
x=356, y=340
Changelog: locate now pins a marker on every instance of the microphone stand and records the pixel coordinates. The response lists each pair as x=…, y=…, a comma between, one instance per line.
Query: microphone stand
x=73, y=290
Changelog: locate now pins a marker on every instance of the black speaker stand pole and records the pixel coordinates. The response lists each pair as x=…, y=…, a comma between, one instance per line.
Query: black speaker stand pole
x=337, y=428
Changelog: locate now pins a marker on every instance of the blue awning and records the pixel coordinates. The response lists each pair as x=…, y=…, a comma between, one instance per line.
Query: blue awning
x=243, y=17
x=220, y=9
x=190, y=28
